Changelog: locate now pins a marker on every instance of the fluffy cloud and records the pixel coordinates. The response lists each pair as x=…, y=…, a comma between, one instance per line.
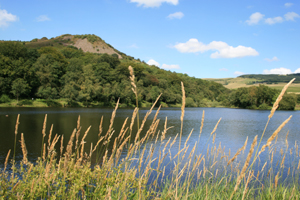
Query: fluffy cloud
x=290, y=16
x=165, y=66
x=153, y=3
x=287, y=5
x=272, y=59
x=274, y=20
x=6, y=17
x=255, y=18
x=153, y=62
x=42, y=18
x=177, y=15
x=223, y=50
x=238, y=73
x=280, y=70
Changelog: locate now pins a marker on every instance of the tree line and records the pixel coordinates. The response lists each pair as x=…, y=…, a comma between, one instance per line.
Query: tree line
x=53, y=72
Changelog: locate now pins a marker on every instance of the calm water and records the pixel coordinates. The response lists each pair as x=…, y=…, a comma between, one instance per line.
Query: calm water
x=235, y=126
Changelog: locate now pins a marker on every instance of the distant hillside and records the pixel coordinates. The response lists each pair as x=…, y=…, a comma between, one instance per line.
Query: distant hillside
x=270, y=80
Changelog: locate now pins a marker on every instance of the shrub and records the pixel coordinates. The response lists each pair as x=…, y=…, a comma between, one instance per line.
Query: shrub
x=288, y=102
x=264, y=106
x=4, y=98
x=189, y=102
x=51, y=103
x=27, y=102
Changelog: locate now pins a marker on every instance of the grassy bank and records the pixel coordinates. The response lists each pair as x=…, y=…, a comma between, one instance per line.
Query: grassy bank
x=141, y=165
x=67, y=103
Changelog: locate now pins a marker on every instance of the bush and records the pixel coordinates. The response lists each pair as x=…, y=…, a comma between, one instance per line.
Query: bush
x=27, y=102
x=24, y=102
x=264, y=106
x=72, y=103
x=51, y=103
x=189, y=102
x=288, y=102
x=4, y=98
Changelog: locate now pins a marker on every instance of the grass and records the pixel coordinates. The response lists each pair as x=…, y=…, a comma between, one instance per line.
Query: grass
x=294, y=88
x=140, y=165
x=234, y=83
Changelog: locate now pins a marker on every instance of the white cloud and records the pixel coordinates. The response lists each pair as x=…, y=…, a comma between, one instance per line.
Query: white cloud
x=165, y=66
x=280, y=70
x=290, y=16
x=153, y=3
x=223, y=50
x=274, y=20
x=238, y=73
x=6, y=17
x=153, y=62
x=272, y=59
x=255, y=18
x=288, y=5
x=223, y=69
x=177, y=15
x=42, y=18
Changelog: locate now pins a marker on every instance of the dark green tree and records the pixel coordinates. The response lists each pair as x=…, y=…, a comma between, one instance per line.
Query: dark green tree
x=19, y=87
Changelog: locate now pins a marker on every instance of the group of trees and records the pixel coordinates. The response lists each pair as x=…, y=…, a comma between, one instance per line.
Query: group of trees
x=52, y=72
x=67, y=72
x=261, y=97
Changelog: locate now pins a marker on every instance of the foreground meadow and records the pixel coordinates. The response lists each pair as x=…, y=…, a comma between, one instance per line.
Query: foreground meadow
x=143, y=165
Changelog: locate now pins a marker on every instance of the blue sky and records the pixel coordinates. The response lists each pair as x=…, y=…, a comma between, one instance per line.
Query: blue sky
x=202, y=38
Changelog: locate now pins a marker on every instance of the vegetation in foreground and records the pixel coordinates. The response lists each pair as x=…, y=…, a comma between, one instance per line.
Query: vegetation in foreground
x=148, y=169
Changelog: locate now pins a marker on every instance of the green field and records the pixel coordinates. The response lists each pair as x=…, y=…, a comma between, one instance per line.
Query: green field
x=234, y=83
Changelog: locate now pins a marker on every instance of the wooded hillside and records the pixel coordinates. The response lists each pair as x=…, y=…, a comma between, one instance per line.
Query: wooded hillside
x=55, y=68
x=51, y=69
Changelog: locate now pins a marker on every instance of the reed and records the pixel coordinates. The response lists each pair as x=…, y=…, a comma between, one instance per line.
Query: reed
x=134, y=89
x=148, y=167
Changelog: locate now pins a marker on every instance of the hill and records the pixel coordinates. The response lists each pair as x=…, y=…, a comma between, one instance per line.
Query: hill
x=87, y=43
x=270, y=80
x=85, y=70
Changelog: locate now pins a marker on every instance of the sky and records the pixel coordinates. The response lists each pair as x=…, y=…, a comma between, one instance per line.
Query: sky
x=201, y=38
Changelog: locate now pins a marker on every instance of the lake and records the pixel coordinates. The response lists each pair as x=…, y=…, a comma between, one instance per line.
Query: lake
x=232, y=131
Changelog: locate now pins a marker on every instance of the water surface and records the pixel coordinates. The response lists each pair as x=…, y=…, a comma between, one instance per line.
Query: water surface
x=235, y=126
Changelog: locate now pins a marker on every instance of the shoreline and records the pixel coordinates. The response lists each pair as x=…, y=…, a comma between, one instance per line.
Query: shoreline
x=63, y=103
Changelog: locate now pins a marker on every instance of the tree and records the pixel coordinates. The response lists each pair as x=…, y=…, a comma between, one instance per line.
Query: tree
x=13, y=49
x=87, y=91
x=49, y=72
x=288, y=102
x=19, y=87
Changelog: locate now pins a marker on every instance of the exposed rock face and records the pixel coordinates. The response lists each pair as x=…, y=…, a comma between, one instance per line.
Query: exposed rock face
x=97, y=47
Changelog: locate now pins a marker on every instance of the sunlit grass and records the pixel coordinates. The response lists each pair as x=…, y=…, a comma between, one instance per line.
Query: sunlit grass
x=143, y=164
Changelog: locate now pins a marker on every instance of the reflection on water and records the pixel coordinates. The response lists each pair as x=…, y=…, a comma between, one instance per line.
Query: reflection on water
x=236, y=125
